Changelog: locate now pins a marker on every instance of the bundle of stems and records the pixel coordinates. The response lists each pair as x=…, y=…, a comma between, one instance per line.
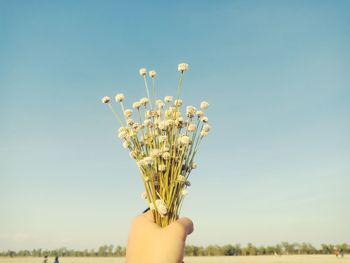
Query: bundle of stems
x=164, y=143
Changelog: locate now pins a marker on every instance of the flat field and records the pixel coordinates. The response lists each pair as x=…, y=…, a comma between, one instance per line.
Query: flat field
x=247, y=259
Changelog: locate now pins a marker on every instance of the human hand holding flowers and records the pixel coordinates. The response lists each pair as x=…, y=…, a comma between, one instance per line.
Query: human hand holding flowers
x=150, y=243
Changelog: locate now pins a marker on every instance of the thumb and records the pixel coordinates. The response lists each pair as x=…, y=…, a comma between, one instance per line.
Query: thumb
x=182, y=227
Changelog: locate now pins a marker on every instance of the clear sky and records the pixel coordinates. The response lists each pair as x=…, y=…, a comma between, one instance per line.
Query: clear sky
x=276, y=166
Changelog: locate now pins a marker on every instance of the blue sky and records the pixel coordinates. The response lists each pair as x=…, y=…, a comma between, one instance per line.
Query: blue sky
x=276, y=74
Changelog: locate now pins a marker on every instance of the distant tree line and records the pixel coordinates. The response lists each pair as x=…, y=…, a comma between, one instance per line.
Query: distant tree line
x=284, y=248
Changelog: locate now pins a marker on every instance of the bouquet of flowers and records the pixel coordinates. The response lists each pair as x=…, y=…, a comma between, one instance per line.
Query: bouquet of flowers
x=163, y=141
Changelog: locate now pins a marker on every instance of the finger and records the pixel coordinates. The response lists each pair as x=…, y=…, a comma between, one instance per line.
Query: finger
x=187, y=225
x=181, y=227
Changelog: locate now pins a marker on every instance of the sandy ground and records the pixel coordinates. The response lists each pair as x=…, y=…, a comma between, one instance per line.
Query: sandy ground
x=251, y=259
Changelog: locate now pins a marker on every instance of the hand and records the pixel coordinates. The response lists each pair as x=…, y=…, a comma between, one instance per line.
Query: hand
x=149, y=243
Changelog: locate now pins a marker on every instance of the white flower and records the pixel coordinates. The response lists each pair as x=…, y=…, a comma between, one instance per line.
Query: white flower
x=161, y=208
x=166, y=156
x=122, y=134
x=191, y=111
x=152, y=73
x=140, y=163
x=148, y=160
x=136, y=105
x=206, y=128
x=161, y=167
x=184, y=192
x=144, y=101
x=194, y=165
x=181, y=178
x=204, y=119
x=162, y=125
x=119, y=97
x=160, y=104
x=126, y=144
x=182, y=67
x=155, y=153
x=169, y=122
x=128, y=113
x=143, y=72
x=204, y=133
x=106, y=99
x=147, y=122
x=192, y=127
x=144, y=195
x=168, y=98
x=204, y=105
x=162, y=138
x=166, y=148
x=130, y=122
x=200, y=114
x=151, y=206
x=178, y=103
x=185, y=140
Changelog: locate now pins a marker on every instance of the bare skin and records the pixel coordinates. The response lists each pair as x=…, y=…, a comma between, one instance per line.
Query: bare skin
x=149, y=243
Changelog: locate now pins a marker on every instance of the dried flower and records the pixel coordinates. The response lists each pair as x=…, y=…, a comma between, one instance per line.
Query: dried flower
x=136, y=105
x=200, y=114
x=204, y=105
x=152, y=73
x=185, y=140
x=144, y=101
x=178, y=102
x=194, y=165
x=181, y=178
x=119, y=97
x=168, y=98
x=106, y=99
x=162, y=138
x=191, y=111
x=161, y=167
x=192, y=127
x=166, y=155
x=126, y=144
x=204, y=119
x=151, y=206
x=128, y=113
x=160, y=104
x=143, y=72
x=206, y=128
x=161, y=208
x=204, y=133
x=184, y=192
x=182, y=67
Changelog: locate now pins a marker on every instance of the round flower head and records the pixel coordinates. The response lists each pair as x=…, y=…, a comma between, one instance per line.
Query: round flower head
x=181, y=178
x=160, y=104
x=166, y=156
x=128, y=113
x=192, y=127
x=155, y=153
x=185, y=140
x=204, y=133
x=133, y=154
x=106, y=99
x=191, y=111
x=182, y=67
x=206, y=128
x=136, y=105
x=152, y=73
x=119, y=97
x=143, y=72
x=204, y=105
x=148, y=160
x=194, y=165
x=168, y=98
x=147, y=122
x=200, y=114
x=144, y=101
x=161, y=167
x=161, y=208
x=178, y=103
x=126, y=144
x=184, y=192
x=204, y=119
x=162, y=138
x=151, y=206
